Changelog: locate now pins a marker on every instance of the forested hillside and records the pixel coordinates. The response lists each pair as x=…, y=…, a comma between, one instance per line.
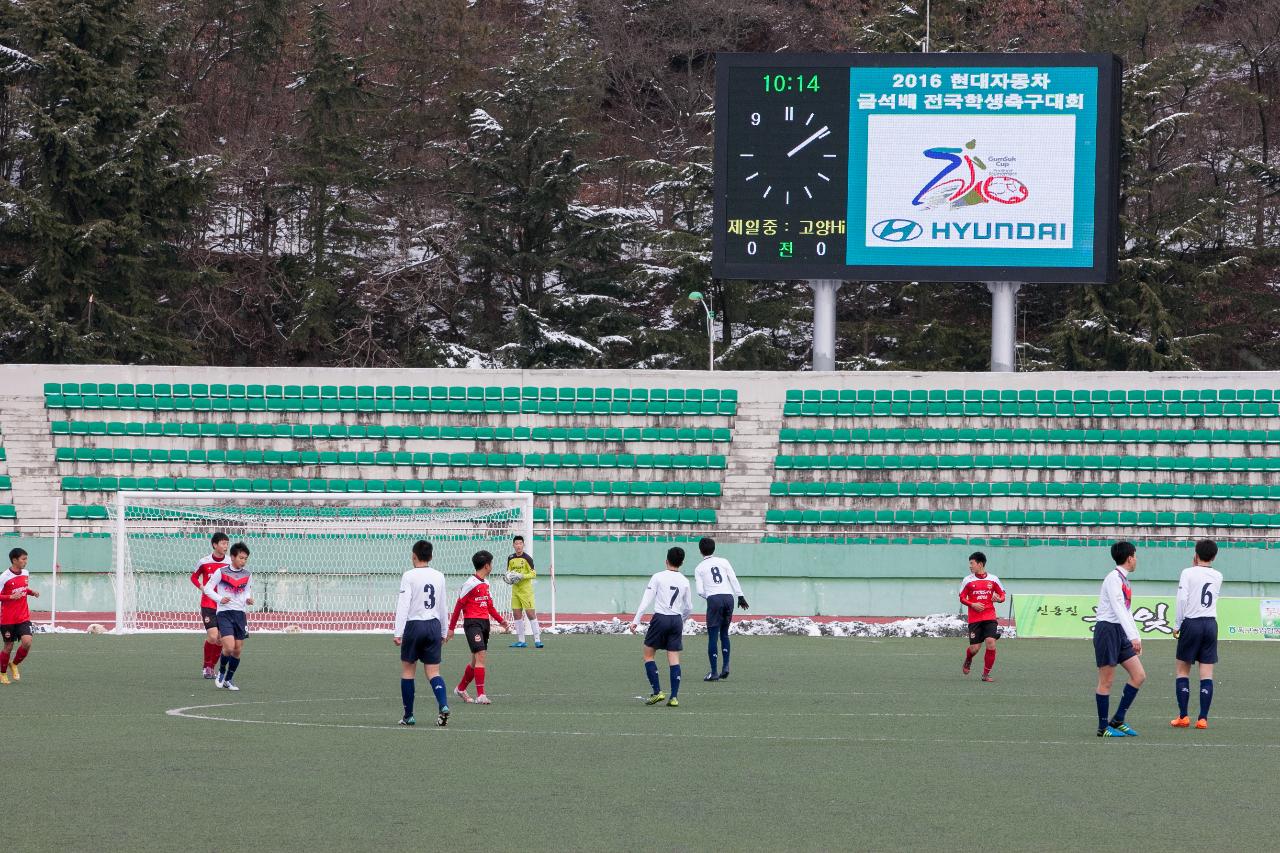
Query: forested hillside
x=442, y=182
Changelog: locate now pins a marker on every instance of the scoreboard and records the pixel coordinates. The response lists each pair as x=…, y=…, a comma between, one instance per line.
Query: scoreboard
x=932, y=167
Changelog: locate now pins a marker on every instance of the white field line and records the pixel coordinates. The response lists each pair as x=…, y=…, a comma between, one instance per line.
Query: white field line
x=187, y=713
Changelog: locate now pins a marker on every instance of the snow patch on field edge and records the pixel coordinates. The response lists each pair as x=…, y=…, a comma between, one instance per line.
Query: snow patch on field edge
x=937, y=625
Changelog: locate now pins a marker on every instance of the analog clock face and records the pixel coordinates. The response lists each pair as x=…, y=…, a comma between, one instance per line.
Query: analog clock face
x=788, y=155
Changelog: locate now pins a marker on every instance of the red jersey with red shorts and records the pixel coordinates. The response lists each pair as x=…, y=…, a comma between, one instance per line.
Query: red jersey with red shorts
x=14, y=612
x=205, y=568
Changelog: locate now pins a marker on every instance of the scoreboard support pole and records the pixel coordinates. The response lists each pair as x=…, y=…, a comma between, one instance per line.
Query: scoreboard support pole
x=1004, y=325
x=824, y=322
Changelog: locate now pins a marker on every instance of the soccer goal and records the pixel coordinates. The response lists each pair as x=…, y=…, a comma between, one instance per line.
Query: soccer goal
x=320, y=562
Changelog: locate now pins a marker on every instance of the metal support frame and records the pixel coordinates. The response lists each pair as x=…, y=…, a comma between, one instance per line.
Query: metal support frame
x=1004, y=327
x=824, y=322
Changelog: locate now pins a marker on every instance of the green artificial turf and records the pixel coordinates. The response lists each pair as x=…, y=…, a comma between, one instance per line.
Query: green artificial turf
x=815, y=743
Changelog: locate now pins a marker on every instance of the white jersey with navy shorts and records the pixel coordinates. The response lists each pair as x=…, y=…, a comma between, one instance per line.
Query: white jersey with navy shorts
x=672, y=601
x=1195, y=615
x=1114, y=631
x=234, y=585
x=421, y=617
x=718, y=584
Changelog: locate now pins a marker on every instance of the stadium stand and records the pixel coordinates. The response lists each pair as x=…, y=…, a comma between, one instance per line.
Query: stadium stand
x=844, y=457
x=1048, y=460
x=8, y=512
x=215, y=437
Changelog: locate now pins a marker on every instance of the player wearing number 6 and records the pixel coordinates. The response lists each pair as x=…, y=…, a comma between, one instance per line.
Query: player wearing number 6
x=420, y=631
x=1195, y=624
x=717, y=583
x=668, y=592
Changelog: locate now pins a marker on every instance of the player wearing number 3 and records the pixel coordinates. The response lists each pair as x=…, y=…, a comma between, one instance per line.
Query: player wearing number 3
x=1195, y=624
x=421, y=617
x=668, y=592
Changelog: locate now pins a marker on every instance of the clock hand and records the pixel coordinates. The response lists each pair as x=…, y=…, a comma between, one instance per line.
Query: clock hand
x=817, y=134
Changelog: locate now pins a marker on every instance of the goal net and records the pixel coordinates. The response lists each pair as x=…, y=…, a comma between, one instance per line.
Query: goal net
x=318, y=562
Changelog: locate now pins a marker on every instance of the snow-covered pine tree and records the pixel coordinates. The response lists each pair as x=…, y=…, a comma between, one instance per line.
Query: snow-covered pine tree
x=334, y=175
x=547, y=259
x=101, y=192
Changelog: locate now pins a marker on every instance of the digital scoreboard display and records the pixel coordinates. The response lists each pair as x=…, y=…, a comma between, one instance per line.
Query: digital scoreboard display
x=930, y=167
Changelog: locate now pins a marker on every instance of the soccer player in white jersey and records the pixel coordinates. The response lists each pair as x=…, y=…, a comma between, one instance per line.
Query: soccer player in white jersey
x=1195, y=624
x=421, y=617
x=716, y=582
x=668, y=592
x=230, y=586
x=1116, y=641
x=205, y=567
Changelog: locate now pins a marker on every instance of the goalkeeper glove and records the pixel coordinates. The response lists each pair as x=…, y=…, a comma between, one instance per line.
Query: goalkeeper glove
x=742, y=602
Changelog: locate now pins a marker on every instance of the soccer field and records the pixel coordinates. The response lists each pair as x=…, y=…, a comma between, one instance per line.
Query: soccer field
x=116, y=743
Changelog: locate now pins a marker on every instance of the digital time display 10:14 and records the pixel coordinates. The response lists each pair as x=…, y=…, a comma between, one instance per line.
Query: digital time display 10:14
x=797, y=83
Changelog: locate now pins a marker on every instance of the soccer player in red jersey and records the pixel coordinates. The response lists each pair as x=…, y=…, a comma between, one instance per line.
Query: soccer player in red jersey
x=15, y=617
x=981, y=592
x=205, y=567
x=475, y=605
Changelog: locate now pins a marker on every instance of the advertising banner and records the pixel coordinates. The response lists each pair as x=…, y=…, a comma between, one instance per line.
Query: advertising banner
x=973, y=167
x=1074, y=616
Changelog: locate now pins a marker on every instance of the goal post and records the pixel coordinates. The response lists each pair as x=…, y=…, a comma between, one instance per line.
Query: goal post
x=320, y=562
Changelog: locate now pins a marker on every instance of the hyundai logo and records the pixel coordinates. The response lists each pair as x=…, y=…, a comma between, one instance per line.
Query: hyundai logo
x=897, y=230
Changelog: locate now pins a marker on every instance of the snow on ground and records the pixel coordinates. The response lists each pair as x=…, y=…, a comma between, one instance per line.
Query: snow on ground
x=938, y=625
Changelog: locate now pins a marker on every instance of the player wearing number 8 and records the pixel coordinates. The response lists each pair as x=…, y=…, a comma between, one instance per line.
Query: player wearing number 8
x=718, y=584
x=1195, y=624
x=420, y=630
x=668, y=592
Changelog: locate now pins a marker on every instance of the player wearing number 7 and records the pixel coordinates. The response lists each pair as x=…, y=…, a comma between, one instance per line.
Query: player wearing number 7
x=1195, y=625
x=421, y=617
x=668, y=592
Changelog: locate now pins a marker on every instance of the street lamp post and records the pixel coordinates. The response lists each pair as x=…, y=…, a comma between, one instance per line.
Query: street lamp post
x=697, y=296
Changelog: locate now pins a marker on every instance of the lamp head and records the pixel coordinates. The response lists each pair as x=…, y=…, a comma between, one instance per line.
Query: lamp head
x=696, y=296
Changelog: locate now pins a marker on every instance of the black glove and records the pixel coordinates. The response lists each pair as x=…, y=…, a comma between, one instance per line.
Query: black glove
x=742, y=602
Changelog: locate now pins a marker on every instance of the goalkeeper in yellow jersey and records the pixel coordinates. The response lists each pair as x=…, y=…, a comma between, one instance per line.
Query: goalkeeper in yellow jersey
x=520, y=563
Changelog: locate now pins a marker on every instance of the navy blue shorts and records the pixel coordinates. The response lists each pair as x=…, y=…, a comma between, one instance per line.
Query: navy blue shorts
x=1198, y=640
x=1110, y=645
x=421, y=641
x=665, y=632
x=233, y=623
x=719, y=610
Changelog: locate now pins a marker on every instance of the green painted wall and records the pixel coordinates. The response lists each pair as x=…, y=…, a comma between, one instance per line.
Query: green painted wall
x=801, y=579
